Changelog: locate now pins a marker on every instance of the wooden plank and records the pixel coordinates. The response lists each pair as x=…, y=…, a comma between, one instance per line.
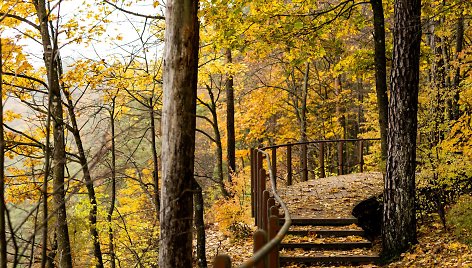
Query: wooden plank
x=321, y=221
x=327, y=233
x=327, y=246
x=346, y=259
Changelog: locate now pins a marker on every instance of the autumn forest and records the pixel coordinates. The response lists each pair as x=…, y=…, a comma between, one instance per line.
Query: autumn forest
x=127, y=127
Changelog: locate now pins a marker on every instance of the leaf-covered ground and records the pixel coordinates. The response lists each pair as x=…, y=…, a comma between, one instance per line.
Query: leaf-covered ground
x=335, y=197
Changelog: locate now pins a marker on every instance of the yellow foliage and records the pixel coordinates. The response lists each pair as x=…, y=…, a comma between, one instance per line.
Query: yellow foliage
x=232, y=215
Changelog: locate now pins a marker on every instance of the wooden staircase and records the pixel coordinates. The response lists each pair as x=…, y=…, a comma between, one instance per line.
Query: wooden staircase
x=335, y=250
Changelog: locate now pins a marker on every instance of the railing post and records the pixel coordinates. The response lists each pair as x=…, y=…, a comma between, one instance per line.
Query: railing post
x=274, y=164
x=265, y=210
x=304, y=163
x=270, y=204
x=340, y=158
x=262, y=187
x=252, y=180
x=256, y=186
x=321, y=159
x=260, y=239
x=289, y=164
x=222, y=261
x=273, y=230
x=361, y=157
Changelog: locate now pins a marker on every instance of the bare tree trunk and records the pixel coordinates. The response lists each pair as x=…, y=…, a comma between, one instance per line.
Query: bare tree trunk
x=199, y=225
x=455, y=114
x=219, y=146
x=50, y=52
x=178, y=133
x=399, y=221
x=303, y=123
x=111, y=244
x=230, y=135
x=97, y=252
x=3, y=239
x=380, y=72
x=155, y=173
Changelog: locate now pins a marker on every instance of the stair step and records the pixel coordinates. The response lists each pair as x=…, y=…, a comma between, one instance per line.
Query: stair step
x=344, y=259
x=327, y=246
x=327, y=233
x=321, y=221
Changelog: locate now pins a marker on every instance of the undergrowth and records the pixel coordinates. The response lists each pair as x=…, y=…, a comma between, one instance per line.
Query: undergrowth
x=460, y=219
x=233, y=215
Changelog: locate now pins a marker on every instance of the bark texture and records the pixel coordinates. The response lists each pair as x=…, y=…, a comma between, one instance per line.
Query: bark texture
x=399, y=229
x=380, y=72
x=59, y=154
x=178, y=133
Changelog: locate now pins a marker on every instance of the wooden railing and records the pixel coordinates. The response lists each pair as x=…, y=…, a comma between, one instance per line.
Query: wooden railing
x=270, y=234
x=265, y=203
x=319, y=158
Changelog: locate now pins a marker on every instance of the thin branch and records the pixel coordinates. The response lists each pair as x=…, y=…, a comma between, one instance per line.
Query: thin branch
x=134, y=13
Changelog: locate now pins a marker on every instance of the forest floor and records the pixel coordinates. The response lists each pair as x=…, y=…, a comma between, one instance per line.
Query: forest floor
x=335, y=197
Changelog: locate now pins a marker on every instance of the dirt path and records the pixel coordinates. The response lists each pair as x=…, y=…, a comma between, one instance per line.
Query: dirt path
x=332, y=197
x=325, y=197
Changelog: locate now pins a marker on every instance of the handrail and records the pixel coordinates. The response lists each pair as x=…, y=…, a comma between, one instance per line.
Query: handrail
x=316, y=141
x=265, y=250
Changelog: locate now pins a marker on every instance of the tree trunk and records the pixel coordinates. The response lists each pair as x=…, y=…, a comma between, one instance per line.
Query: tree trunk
x=178, y=133
x=219, y=146
x=97, y=252
x=155, y=173
x=3, y=239
x=399, y=222
x=59, y=155
x=199, y=225
x=230, y=135
x=111, y=244
x=457, y=77
x=303, y=124
x=380, y=72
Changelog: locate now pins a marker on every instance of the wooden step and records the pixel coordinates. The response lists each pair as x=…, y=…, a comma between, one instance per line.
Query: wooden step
x=321, y=221
x=327, y=233
x=327, y=246
x=345, y=259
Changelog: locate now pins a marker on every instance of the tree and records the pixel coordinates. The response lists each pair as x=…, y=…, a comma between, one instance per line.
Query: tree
x=399, y=219
x=230, y=136
x=3, y=241
x=178, y=132
x=380, y=72
x=59, y=154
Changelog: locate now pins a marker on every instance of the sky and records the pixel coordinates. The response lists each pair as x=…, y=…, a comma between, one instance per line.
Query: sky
x=121, y=24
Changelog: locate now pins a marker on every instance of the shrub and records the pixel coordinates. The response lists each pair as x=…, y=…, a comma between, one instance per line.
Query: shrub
x=232, y=215
x=460, y=219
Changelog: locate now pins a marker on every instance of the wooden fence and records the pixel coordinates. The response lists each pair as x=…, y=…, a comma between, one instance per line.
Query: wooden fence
x=265, y=203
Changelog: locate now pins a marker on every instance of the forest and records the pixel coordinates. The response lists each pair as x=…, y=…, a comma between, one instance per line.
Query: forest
x=96, y=168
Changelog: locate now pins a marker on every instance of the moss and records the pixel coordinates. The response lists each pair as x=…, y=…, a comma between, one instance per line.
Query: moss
x=459, y=218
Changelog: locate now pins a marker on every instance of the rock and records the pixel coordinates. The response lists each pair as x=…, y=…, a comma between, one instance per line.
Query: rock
x=369, y=215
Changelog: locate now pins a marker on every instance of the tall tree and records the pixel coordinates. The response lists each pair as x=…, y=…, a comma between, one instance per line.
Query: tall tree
x=380, y=72
x=178, y=132
x=51, y=51
x=230, y=136
x=3, y=240
x=399, y=221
